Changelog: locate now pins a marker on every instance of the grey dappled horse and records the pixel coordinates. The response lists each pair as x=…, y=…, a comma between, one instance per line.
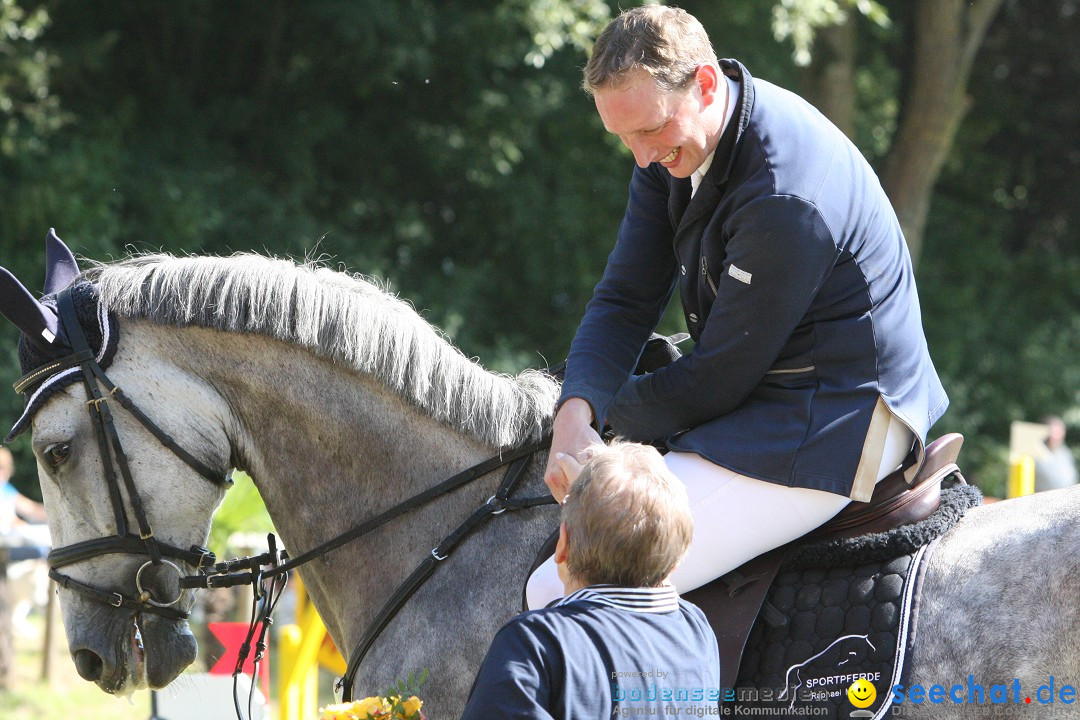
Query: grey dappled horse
x=341, y=401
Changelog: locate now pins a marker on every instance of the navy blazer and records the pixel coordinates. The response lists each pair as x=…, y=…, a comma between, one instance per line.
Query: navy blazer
x=797, y=288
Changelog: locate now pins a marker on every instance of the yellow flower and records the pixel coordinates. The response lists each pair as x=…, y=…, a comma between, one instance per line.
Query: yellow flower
x=412, y=706
x=377, y=707
x=341, y=711
x=370, y=708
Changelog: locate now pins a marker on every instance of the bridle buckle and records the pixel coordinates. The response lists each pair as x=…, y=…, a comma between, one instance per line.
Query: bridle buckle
x=96, y=402
x=119, y=602
x=206, y=557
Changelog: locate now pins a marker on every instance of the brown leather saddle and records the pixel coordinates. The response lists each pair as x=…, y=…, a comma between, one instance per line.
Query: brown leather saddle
x=733, y=601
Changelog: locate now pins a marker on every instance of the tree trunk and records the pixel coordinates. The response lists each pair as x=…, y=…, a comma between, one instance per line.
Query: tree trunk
x=947, y=34
x=829, y=81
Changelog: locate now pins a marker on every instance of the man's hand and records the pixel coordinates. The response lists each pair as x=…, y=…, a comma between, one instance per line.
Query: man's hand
x=571, y=436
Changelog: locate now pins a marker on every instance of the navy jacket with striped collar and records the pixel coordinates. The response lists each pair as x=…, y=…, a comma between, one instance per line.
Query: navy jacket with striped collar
x=601, y=652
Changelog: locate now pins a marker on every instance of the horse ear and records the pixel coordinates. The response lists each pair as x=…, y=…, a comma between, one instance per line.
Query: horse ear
x=60, y=265
x=36, y=321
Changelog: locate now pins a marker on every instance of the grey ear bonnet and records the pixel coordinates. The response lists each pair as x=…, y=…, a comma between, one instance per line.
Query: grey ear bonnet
x=99, y=327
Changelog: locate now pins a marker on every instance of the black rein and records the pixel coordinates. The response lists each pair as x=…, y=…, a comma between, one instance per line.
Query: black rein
x=225, y=574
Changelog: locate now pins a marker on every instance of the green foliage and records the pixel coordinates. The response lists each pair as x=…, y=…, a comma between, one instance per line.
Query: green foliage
x=1001, y=281
x=876, y=86
x=242, y=511
x=446, y=148
x=403, y=689
x=28, y=112
x=554, y=24
x=798, y=20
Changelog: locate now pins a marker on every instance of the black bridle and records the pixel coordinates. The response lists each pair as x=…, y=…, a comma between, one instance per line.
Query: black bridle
x=112, y=456
x=255, y=571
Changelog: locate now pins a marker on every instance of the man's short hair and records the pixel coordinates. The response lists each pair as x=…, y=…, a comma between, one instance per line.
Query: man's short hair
x=627, y=517
x=666, y=42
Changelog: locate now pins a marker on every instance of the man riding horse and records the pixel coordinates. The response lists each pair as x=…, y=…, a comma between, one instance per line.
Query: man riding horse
x=810, y=380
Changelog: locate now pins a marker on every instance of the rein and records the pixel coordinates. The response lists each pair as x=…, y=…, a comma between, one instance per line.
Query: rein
x=225, y=574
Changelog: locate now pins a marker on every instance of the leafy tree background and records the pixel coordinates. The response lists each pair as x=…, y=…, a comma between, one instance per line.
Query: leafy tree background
x=445, y=148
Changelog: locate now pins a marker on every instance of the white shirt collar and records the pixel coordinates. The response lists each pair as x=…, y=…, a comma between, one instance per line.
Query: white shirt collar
x=733, y=97
x=699, y=174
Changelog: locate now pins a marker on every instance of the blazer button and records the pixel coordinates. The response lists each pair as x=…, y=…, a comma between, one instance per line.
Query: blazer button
x=693, y=317
x=683, y=268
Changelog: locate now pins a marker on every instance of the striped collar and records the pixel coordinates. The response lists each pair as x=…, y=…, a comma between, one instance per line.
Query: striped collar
x=639, y=599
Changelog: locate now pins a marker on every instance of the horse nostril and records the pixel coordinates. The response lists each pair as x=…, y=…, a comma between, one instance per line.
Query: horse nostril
x=88, y=664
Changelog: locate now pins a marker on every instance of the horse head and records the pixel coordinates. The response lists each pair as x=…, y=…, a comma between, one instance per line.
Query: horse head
x=131, y=465
x=148, y=378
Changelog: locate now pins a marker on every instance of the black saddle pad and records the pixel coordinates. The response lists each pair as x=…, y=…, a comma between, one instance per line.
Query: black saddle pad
x=824, y=629
x=839, y=612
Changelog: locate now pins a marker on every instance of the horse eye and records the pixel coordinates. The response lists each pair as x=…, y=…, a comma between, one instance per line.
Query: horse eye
x=57, y=453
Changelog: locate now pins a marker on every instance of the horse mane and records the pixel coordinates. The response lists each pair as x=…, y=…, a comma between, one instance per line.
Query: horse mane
x=339, y=316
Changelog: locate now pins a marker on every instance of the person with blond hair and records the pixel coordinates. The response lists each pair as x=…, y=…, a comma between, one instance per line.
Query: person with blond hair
x=621, y=641
x=810, y=379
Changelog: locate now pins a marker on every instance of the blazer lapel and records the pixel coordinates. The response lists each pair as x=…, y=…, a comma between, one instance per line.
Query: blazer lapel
x=701, y=206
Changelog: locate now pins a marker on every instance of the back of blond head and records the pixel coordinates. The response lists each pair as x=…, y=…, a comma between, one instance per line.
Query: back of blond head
x=627, y=518
x=666, y=42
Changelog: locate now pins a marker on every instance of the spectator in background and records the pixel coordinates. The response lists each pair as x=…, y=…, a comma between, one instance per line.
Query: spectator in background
x=26, y=539
x=1057, y=467
x=15, y=508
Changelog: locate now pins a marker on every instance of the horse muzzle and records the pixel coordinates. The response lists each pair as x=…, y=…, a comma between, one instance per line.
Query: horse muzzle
x=123, y=652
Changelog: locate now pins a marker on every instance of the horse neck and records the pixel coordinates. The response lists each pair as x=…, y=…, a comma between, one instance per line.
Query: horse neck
x=329, y=448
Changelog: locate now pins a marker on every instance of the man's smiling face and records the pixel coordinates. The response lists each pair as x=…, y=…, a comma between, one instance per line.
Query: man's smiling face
x=676, y=129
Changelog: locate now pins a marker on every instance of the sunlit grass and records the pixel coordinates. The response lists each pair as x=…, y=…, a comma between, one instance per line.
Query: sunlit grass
x=65, y=695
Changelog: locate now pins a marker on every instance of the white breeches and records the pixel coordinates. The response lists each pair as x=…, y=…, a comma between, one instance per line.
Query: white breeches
x=736, y=518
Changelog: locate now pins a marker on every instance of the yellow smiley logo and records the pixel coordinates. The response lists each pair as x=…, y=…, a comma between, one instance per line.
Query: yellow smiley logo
x=862, y=693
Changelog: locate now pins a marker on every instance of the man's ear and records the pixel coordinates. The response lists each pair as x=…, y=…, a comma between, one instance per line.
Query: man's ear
x=707, y=77
x=562, y=547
